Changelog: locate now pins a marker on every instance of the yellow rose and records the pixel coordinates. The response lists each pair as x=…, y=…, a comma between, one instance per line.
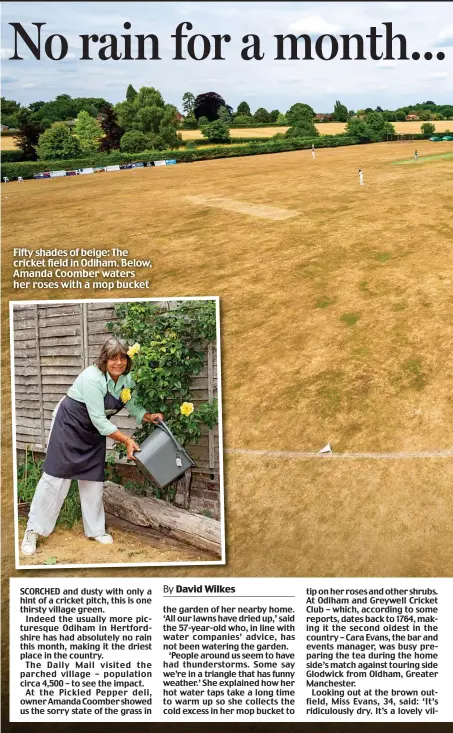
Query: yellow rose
x=125, y=395
x=133, y=350
x=187, y=408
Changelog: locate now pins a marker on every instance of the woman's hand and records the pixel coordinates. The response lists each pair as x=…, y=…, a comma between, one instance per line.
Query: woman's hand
x=131, y=446
x=153, y=417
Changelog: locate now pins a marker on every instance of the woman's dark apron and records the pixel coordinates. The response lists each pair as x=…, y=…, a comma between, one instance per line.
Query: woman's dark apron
x=76, y=449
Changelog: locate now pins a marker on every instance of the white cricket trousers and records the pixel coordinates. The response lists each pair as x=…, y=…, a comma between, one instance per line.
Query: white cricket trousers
x=50, y=494
x=49, y=497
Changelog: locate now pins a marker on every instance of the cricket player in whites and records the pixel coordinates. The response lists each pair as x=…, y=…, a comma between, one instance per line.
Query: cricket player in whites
x=416, y=156
x=361, y=177
x=313, y=154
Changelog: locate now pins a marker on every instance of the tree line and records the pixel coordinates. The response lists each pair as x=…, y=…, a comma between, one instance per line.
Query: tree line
x=66, y=127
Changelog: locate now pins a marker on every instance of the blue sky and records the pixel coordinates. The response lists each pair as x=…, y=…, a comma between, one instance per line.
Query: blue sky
x=267, y=83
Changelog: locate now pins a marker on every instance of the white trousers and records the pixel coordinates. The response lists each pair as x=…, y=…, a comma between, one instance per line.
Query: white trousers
x=49, y=497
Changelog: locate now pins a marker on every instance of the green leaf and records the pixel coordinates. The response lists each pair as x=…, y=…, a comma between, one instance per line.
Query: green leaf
x=50, y=561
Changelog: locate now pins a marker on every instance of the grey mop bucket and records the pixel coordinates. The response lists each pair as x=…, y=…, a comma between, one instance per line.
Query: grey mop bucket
x=161, y=458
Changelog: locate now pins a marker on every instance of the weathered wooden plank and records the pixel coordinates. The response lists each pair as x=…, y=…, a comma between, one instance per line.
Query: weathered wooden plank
x=69, y=371
x=101, y=313
x=56, y=310
x=27, y=381
x=55, y=396
x=34, y=431
x=98, y=338
x=60, y=350
x=24, y=371
x=22, y=317
x=61, y=361
x=54, y=379
x=28, y=420
x=61, y=340
x=98, y=326
x=22, y=348
x=194, y=529
x=57, y=321
x=24, y=334
x=59, y=332
x=23, y=402
x=24, y=442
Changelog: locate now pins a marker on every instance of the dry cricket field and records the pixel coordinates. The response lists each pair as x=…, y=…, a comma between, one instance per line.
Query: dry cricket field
x=336, y=307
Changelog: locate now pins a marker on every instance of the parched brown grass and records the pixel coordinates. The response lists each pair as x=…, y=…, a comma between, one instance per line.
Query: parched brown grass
x=7, y=142
x=70, y=546
x=336, y=327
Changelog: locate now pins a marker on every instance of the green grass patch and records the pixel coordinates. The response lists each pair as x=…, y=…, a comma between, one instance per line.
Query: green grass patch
x=324, y=302
x=382, y=256
x=423, y=159
x=350, y=318
x=412, y=369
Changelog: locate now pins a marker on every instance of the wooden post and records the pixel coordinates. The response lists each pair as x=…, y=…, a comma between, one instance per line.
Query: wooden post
x=210, y=398
x=38, y=374
x=84, y=336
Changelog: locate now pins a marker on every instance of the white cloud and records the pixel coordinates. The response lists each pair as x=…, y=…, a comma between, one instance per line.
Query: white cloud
x=396, y=6
x=446, y=37
x=5, y=53
x=386, y=64
x=436, y=75
x=314, y=24
x=29, y=85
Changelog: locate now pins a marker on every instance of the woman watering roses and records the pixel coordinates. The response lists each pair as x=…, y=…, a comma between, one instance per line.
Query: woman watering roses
x=77, y=443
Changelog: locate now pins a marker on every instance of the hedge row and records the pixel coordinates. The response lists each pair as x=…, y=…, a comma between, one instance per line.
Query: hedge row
x=202, y=141
x=17, y=156
x=28, y=169
x=12, y=156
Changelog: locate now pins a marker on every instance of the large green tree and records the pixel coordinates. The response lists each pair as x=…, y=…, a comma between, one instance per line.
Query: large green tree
x=131, y=93
x=340, y=112
x=58, y=143
x=224, y=114
x=88, y=132
x=374, y=128
x=148, y=113
x=111, y=131
x=29, y=129
x=10, y=112
x=428, y=129
x=216, y=132
x=134, y=141
x=302, y=128
x=300, y=112
x=261, y=115
x=243, y=109
x=188, y=103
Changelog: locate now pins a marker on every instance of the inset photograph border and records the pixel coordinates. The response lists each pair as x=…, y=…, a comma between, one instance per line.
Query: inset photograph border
x=74, y=365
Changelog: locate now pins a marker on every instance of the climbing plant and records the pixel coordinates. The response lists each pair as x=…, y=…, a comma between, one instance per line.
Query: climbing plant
x=172, y=339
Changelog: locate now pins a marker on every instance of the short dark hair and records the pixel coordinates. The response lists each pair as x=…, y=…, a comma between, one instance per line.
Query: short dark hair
x=111, y=348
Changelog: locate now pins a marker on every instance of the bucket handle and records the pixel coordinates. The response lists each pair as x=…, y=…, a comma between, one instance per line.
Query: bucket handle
x=161, y=424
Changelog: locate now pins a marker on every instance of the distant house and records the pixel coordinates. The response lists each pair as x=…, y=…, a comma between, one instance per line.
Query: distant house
x=412, y=117
x=4, y=128
x=323, y=117
x=179, y=116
